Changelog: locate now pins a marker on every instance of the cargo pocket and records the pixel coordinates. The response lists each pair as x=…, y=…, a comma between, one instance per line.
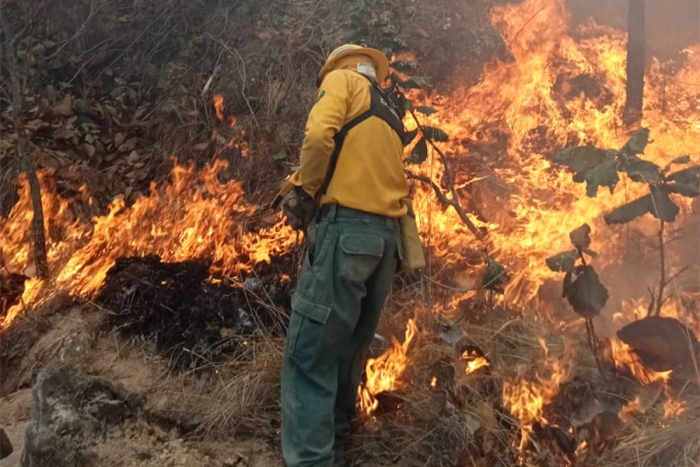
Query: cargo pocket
x=362, y=254
x=307, y=329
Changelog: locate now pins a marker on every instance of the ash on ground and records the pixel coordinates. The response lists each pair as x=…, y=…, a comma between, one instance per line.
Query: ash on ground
x=192, y=321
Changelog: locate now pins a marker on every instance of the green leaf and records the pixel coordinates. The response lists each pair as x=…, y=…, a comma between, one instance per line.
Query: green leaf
x=629, y=211
x=404, y=66
x=566, y=284
x=581, y=237
x=425, y=110
x=415, y=83
x=495, y=276
x=690, y=175
x=405, y=104
x=604, y=174
x=637, y=142
x=409, y=136
x=583, y=158
x=563, y=262
x=691, y=191
x=419, y=153
x=644, y=171
x=681, y=160
x=435, y=134
x=586, y=294
x=662, y=207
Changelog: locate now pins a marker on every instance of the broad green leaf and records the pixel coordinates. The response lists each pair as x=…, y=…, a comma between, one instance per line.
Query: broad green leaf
x=415, y=83
x=495, y=276
x=435, y=134
x=581, y=237
x=409, y=136
x=583, y=158
x=681, y=160
x=566, y=284
x=662, y=207
x=405, y=104
x=691, y=191
x=586, y=294
x=604, y=174
x=629, y=211
x=425, y=110
x=644, y=171
x=637, y=142
x=563, y=262
x=690, y=175
x=419, y=153
x=590, y=252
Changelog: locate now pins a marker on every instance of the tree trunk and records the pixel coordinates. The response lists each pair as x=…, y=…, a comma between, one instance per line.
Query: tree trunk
x=635, y=63
x=26, y=160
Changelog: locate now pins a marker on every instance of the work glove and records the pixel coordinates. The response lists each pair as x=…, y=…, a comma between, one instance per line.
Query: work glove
x=299, y=208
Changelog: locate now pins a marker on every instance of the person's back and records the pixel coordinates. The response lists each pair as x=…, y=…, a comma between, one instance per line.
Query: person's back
x=354, y=199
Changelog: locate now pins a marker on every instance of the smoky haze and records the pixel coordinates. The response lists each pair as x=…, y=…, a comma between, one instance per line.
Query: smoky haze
x=671, y=25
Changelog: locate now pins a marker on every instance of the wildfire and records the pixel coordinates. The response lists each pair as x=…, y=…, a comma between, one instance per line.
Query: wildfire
x=194, y=216
x=534, y=106
x=625, y=360
x=474, y=361
x=527, y=397
x=384, y=373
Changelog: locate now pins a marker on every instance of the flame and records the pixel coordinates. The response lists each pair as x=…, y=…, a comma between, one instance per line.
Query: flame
x=673, y=408
x=384, y=373
x=193, y=216
x=219, y=106
x=625, y=360
x=522, y=111
x=526, y=397
x=474, y=361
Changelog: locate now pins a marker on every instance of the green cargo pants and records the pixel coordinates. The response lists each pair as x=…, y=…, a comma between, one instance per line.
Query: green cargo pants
x=335, y=310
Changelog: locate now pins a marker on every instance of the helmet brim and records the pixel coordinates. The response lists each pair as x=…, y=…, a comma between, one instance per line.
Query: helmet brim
x=377, y=57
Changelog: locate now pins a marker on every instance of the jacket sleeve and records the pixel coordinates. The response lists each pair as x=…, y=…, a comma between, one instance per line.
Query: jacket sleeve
x=326, y=119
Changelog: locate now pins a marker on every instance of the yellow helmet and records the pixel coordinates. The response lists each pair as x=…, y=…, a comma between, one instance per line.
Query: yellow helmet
x=379, y=59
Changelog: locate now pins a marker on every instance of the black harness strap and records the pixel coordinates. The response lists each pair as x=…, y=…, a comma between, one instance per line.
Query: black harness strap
x=379, y=107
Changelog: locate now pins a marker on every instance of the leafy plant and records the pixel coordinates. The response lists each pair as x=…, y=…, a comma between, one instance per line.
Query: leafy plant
x=581, y=287
x=400, y=82
x=601, y=168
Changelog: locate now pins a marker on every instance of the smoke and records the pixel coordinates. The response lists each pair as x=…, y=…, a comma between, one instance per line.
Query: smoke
x=671, y=25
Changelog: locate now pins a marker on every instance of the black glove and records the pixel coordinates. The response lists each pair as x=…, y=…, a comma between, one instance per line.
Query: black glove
x=299, y=207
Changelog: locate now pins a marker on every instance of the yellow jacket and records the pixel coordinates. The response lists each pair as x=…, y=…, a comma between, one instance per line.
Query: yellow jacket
x=369, y=174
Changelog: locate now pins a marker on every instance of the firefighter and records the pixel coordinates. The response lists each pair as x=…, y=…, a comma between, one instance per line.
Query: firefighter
x=348, y=196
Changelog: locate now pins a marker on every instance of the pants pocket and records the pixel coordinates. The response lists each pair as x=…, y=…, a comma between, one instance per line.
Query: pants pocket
x=362, y=253
x=307, y=330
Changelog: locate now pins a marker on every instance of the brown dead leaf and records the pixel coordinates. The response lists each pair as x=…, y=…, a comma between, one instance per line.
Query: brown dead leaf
x=89, y=149
x=128, y=145
x=422, y=33
x=63, y=133
x=111, y=110
x=35, y=124
x=201, y=146
x=119, y=139
x=133, y=157
x=64, y=107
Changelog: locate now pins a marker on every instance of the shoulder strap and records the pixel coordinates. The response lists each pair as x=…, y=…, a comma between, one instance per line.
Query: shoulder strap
x=379, y=107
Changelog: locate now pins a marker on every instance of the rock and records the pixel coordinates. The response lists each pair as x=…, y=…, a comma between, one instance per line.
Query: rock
x=141, y=452
x=661, y=343
x=5, y=445
x=69, y=410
